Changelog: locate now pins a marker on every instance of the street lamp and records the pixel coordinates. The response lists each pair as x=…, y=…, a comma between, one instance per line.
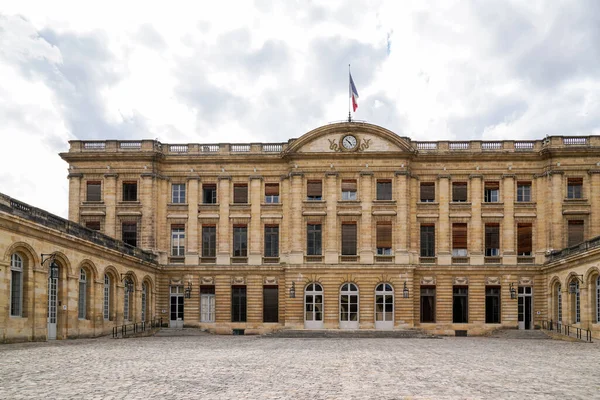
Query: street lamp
x=293, y=290
x=128, y=284
x=53, y=265
x=573, y=283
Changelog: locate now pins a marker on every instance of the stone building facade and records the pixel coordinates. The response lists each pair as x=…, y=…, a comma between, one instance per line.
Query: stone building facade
x=351, y=226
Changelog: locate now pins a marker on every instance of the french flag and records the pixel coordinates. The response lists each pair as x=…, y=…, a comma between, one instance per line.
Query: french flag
x=353, y=94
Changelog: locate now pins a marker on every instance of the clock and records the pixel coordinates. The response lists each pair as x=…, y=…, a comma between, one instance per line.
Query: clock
x=349, y=142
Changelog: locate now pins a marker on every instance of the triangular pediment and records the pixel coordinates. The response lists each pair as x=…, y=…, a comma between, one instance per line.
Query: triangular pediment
x=349, y=137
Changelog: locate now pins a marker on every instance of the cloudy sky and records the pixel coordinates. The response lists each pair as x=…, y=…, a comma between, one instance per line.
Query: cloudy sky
x=267, y=71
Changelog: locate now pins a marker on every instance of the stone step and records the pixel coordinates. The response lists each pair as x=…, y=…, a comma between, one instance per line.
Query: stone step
x=173, y=332
x=361, y=334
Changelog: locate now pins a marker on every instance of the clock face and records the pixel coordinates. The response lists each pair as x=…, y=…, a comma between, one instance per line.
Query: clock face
x=349, y=142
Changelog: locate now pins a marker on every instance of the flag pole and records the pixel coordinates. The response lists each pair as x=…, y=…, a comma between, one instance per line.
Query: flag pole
x=349, y=96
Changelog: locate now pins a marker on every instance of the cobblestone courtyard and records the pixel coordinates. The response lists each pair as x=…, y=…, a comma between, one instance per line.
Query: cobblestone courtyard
x=226, y=367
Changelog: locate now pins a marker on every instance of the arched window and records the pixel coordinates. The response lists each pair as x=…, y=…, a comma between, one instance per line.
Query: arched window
x=384, y=306
x=127, y=300
x=575, y=301
x=16, y=286
x=559, y=302
x=349, y=306
x=106, y=303
x=313, y=306
x=82, y=293
x=144, y=300
x=598, y=299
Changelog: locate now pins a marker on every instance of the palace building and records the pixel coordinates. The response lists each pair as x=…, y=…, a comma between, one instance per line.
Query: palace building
x=350, y=226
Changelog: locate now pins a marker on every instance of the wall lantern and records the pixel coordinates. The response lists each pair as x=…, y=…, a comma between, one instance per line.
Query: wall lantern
x=188, y=290
x=53, y=265
x=513, y=292
x=405, y=292
x=293, y=291
x=128, y=284
x=574, y=283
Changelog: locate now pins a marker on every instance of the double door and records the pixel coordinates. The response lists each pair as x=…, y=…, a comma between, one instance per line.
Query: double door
x=525, y=307
x=176, y=314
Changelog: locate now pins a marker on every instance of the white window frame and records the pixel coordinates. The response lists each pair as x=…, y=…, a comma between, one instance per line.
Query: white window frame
x=144, y=299
x=178, y=242
x=559, y=299
x=82, y=312
x=383, y=290
x=349, y=289
x=16, y=268
x=106, y=303
x=178, y=193
x=598, y=299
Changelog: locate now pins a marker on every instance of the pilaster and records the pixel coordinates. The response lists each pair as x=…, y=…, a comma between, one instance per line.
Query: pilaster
x=595, y=203
x=509, y=256
x=224, y=230
x=296, y=253
x=191, y=254
x=476, y=235
x=443, y=244
x=330, y=235
x=74, y=196
x=148, y=240
x=366, y=232
x=402, y=231
x=255, y=233
x=556, y=231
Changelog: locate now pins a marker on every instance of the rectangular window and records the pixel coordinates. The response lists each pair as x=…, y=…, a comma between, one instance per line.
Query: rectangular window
x=460, y=304
x=427, y=304
x=491, y=192
x=459, y=240
x=524, y=240
x=271, y=240
x=459, y=192
x=313, y=239
x=240, y=241
x=270, y=304
x=575, y=232
x=129, y=191
x=16, y=295
x=94, y=191
x=523, y=191
x=574, y=188
x=129, y=233
x=384, y=190
x=427, y=240
x=93, y=225
x=209, y=193
x=177, y=240
x=238, y=304
x=349, y=190
x=428, y=192
x=492, y=304
x=348, y=239
x=240, y=193
x=209, y=241
x=314, y=190
x=492, y=240
x=384, y=239
x=81, y=309
x=271, y=193
x=178, y=193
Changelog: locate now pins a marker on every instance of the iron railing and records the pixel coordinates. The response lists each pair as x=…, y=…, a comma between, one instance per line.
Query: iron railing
x=136, y=327
x=567, y=330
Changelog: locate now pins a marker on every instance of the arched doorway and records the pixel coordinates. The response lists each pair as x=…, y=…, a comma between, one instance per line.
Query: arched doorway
x=313, y=306
x=349, y=306
x=384, y=306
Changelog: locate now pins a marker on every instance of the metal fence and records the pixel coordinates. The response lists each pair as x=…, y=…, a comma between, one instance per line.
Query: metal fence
x=567, y=330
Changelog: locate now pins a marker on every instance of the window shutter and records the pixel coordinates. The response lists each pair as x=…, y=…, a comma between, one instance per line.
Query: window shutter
x=384, y=234
x=384, y=190
x=314, y=188
x=492, y=236
x=459, y=236
x=271, y=189
x=240, y=193
x=94, y=190
x=427, y=191
x=575, y=181
x=524, y=239
x=575, y=232
x=459, y=191
x=349, y=186
x=492, y=185
x=349, y=239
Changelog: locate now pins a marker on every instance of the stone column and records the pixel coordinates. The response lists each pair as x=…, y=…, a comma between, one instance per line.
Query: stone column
x=224, y=229
x=365, y=238
x=557, y=233
x=296, y=239
x=191, y=254
x=284, y=239
x=509, y=255
x=476, y=231
x=443, y=242
x=541, y=224
x=110, y=202
x=74, y=196
x=402, y=232
x=148, y=241
x=594, y=196
x=330, y=233
x=255, y=233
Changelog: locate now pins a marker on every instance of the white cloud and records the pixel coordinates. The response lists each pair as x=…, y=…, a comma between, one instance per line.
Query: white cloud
x=270, y=70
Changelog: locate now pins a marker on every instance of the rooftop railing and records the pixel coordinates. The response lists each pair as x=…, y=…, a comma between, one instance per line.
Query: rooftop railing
x=23, y=210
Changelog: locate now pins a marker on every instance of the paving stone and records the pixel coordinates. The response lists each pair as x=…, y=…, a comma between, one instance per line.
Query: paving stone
x=233, y=367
